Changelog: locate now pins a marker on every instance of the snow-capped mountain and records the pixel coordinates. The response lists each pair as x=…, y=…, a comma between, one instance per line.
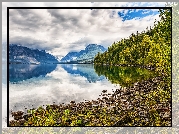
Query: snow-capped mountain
x=71, y=56
x=86, y=55
x=21, y=54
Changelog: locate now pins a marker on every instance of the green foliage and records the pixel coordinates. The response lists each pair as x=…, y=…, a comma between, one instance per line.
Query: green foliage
x=124, y=76
x=149, y=48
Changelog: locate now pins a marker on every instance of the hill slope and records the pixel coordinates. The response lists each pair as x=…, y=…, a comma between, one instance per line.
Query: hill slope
x=150, y=48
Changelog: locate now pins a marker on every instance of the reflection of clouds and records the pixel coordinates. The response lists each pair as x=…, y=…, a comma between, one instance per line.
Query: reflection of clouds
x=58, y=86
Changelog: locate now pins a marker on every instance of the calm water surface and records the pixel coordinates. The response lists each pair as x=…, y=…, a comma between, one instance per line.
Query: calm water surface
x=39, y=85
x=31, y=86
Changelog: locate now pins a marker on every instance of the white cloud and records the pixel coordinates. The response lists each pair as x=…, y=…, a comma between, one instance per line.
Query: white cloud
x=61, y=29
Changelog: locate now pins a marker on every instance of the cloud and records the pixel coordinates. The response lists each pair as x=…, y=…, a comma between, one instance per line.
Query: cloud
x=25, y=18
x=33, y=43
x=62, y=30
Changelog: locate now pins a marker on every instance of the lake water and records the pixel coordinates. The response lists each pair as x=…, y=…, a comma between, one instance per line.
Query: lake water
x=39, y=85
x=31, y=86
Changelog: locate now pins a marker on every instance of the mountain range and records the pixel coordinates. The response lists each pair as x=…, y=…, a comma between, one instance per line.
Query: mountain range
x=24, y=55
x=84, y=56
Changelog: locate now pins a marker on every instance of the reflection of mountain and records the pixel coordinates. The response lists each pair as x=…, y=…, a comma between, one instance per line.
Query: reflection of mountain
x=20, y=72
x=85, y=70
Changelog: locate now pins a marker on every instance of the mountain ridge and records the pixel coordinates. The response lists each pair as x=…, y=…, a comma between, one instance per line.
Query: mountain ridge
x=25, y=55
x=84, y=56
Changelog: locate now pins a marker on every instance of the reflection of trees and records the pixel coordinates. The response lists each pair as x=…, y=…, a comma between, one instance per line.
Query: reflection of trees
x=125, y=76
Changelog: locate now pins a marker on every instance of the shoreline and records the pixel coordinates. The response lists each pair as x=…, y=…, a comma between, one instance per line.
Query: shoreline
x=129, y=65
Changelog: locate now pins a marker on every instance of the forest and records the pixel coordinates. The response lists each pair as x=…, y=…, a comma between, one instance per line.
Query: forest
x=150, y=48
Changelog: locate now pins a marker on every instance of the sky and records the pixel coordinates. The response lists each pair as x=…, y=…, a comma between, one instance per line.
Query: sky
x=59, y=31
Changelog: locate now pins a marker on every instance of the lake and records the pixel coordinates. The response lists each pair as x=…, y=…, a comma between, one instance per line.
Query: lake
x=31, y=86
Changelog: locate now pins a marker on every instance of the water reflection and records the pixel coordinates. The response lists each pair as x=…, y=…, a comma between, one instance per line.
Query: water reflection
x=58, y=86
x=84, y=70
x=125, y=76
x=20, y=72
x=68, y=83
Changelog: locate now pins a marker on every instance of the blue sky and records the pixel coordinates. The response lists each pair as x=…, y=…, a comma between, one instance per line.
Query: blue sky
x=136, y=13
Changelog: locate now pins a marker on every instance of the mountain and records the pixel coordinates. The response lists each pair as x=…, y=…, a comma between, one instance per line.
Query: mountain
x=84, y=56
x=70, y=56
x=21, y=54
